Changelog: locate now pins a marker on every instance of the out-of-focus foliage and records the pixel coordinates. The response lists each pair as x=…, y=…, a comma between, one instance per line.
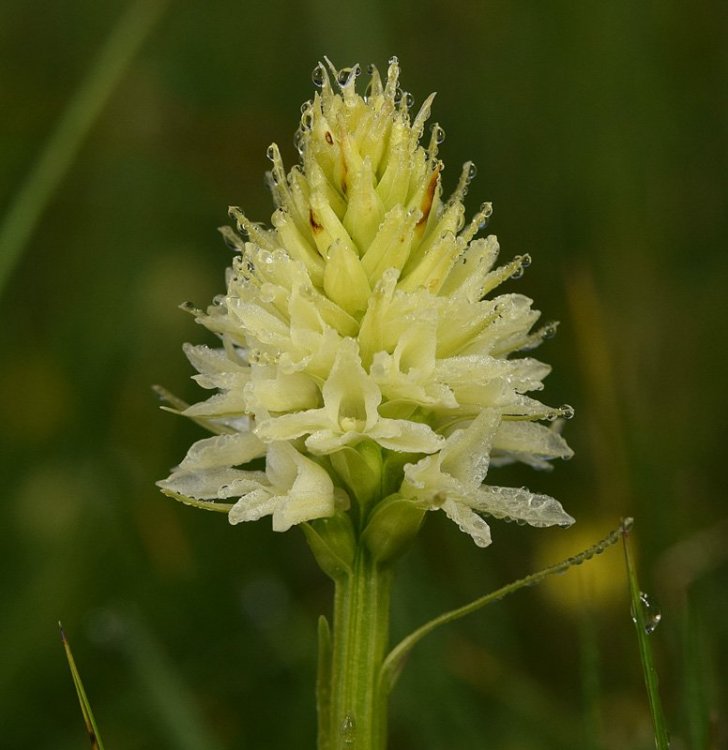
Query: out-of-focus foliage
x=599, y=131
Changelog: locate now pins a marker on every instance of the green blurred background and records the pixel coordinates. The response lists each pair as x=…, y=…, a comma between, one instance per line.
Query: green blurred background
x=599, y=130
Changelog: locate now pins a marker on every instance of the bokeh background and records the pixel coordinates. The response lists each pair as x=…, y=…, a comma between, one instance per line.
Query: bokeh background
x=599, y=131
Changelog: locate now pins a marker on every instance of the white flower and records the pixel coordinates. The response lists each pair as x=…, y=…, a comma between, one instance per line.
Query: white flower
x=365, y=319
x=349, y=415
x=292, y=489
x=452, y=479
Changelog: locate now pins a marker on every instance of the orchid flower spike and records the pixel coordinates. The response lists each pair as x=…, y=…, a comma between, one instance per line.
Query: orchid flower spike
x=366, y=358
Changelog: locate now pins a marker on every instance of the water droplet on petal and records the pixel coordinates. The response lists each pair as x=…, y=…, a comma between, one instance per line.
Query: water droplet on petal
x=318, y=76
x=438, y=132
x=307, y=119
x=393, y=60
x=298, y=141
x=472, y=171
x=347, y=75
x=566, y=411
x=549, y=330
x=271, y=152
x=524, y=261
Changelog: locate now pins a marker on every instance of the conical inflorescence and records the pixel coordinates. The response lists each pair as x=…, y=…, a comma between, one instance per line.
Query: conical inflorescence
x=366, y=361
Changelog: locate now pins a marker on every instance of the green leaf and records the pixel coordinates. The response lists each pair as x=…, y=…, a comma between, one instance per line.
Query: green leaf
x=88, y=716
x=332, y=542
x=394, y=663
x=644, y=628
x=392, y=527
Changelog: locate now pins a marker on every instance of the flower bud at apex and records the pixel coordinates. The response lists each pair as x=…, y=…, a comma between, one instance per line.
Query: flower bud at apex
x=332, y=542
x=365, y=350
x=392, y=526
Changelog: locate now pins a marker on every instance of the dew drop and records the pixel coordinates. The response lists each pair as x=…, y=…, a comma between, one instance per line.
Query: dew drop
x=472, y=171
x=347, y=75
x=393, y=60
x=371, y=68
x=271, y=152
x=408, y=99
x=651, y=614
x=318, y=76
x=348, y=730
x=549, y=330
x=298, y=141
x=566, y=411
x=439, y=133
x=524, y=261
x=307, y=120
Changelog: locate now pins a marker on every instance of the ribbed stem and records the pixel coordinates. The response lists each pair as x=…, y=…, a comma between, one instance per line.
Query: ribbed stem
x=360, y=638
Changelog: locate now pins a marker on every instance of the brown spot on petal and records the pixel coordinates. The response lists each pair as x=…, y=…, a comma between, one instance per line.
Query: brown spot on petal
x=429, y=196
x=315, y=226
x=344, y=185
x=329, y=138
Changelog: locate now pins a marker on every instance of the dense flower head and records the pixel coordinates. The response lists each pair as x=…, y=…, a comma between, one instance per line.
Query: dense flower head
x=364, y=353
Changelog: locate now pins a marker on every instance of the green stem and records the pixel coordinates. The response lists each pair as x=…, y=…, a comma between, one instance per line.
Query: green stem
x=360, y=637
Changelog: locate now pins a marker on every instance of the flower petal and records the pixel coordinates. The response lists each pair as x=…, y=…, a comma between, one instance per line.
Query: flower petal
x=530, y=443
x=519, y=504
x=222, y=450
x=466, y=454
x=406, y=436
x=468, y=522
x=305, y=488
x=252, y=506
x=202, y=485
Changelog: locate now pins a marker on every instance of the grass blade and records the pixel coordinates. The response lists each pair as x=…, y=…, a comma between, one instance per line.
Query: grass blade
x=65, y=141
x=88, y=716
x=394, y=662
x=644, y=628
